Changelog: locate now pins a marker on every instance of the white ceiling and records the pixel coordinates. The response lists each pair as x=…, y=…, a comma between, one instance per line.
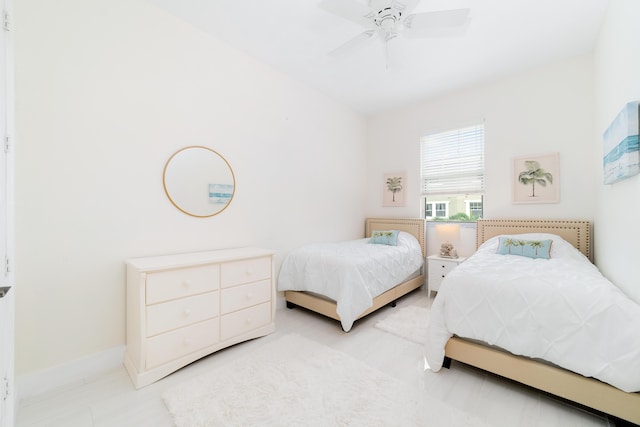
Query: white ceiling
x=295, y=37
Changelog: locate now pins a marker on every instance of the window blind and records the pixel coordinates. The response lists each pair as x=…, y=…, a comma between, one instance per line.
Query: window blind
x=452, y=162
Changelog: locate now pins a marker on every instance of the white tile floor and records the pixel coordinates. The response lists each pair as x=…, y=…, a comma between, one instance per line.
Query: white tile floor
x=111, y=400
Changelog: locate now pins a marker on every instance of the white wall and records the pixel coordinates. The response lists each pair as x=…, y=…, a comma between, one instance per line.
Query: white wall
x=617, y=64
x=7, y=221
x=107, y=91
x=544, y=110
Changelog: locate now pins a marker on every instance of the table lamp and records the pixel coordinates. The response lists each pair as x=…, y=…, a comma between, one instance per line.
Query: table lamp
x=448, y=233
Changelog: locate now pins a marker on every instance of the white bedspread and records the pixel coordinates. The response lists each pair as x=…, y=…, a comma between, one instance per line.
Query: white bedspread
x=561, y=310
x=351, y=273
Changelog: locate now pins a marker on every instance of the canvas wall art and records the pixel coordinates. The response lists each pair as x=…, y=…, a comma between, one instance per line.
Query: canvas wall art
x=536, y=178
x=393, y=190
x=620, y=145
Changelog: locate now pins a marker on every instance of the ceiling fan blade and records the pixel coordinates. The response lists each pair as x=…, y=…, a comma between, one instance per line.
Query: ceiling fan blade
x=348, y=9
x=358, y=42
x=439, y=19
x=406, y=6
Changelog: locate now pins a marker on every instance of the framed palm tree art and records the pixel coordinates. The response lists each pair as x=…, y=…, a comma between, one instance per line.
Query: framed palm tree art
x=393, y=189
x=536, y=178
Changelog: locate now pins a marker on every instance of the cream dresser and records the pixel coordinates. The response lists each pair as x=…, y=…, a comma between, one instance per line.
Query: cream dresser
x=183, y=307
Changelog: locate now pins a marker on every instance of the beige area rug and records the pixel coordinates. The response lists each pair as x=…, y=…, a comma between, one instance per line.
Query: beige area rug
x=293, y=381
x=408, y=322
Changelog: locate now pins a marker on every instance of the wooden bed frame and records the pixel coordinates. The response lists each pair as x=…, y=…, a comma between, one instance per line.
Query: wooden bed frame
x=557, y=381
x=326, y=307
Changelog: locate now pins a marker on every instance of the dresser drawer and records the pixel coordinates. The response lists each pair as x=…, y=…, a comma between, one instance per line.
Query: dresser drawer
x=244, y=296
x=245, y=320
x=168, y=285
x=245, y=271
x=171, y=345
x=181, y=312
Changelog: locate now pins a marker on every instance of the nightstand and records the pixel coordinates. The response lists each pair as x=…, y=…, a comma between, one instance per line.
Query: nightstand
x=437, y=268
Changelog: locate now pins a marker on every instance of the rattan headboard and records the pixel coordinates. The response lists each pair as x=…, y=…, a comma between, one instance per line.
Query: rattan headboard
x=578, y=233
x=413, y=226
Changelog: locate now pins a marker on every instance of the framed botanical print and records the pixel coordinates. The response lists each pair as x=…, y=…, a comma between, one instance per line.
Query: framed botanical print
x=536, y=178
x=393, y=189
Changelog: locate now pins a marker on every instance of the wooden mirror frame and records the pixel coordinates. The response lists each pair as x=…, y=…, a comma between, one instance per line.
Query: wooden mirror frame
x=190, y=178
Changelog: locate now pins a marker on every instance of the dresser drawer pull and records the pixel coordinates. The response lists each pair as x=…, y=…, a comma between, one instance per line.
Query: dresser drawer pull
x=186, y=342
x=187, y=312
x=249, y=296
x=249, y=321
x=186, y=284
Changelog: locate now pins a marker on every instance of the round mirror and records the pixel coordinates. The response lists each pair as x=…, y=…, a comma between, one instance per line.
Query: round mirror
x=199, y=181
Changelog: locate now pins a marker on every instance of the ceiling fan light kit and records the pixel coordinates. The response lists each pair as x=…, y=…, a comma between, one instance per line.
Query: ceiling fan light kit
x=387, y=19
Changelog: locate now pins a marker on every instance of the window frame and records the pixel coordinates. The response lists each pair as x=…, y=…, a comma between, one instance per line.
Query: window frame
x=452, y=165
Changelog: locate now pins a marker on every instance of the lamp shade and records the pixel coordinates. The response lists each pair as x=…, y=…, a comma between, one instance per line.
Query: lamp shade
x=447, y=232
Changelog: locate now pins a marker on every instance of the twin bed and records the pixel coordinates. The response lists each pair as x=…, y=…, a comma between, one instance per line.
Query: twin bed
x=553, y=324
x=325, y=278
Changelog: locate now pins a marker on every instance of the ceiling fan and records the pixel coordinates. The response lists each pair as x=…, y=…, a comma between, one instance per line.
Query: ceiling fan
x=387, y=19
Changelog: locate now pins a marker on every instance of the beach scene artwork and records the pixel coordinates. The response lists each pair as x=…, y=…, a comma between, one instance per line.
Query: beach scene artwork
x=621, y=155
x=220, y=193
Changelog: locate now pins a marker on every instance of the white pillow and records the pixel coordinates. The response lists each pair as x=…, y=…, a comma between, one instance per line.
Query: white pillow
x=408, y=240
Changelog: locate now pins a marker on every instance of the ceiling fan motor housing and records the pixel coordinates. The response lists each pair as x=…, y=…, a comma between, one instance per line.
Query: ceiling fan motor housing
x=388, y=19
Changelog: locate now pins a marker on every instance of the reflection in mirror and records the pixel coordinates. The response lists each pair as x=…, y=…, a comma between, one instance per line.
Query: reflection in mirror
x=199, y=181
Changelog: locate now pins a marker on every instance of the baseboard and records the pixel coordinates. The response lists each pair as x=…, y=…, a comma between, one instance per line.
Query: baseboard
x=76, y=371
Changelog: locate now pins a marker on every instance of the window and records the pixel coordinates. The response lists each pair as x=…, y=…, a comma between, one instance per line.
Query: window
x=474, y=209
x=436, y=209
x=452, y=173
